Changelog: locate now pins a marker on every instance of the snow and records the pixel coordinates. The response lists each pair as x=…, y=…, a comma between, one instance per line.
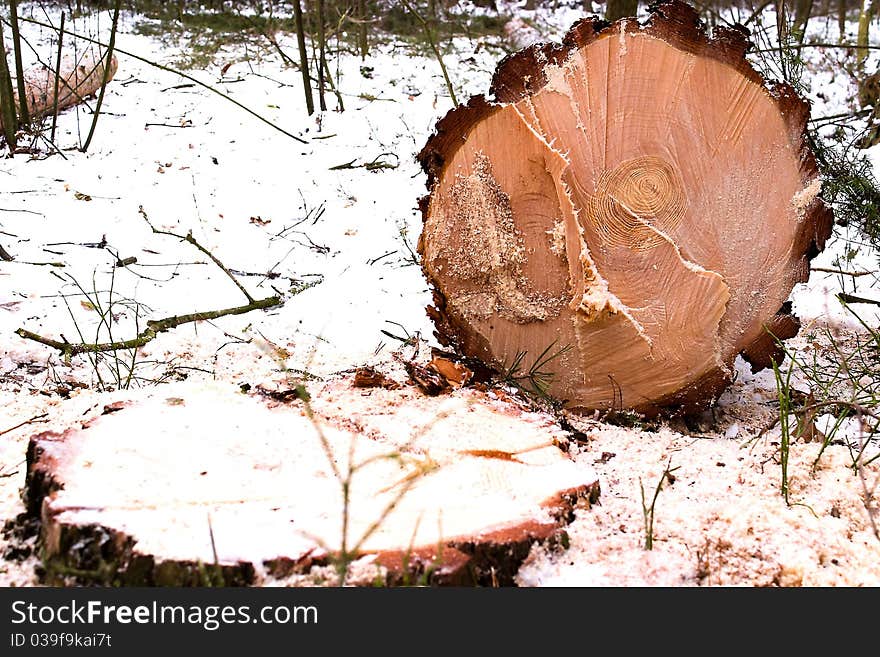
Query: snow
x=253, y=468
x=337, y=244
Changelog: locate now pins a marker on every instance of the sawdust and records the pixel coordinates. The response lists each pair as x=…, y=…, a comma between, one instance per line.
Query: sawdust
x=483, y=249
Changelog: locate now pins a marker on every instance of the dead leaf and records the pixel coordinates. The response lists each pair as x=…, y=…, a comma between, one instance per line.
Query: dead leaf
x=455, y=374
x=606, y=456
x=368, y=377
x=806, y=422
x=79, y=196
x=492, y=454
x=429, y=380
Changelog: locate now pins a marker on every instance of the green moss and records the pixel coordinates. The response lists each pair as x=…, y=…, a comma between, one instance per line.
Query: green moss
x=201, y=37
x=398, y=22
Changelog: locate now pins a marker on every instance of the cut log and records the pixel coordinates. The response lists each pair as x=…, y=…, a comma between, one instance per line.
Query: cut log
x=159, y=491
x=80, y=77
x=635, y=204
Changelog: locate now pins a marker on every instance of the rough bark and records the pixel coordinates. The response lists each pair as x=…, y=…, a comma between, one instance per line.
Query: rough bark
x=637, y=196
x=188, y=483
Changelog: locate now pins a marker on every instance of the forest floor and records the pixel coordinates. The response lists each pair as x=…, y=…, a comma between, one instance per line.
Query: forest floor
x=331, y=226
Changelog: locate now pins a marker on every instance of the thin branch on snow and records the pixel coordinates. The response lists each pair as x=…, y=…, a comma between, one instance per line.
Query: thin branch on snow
x=156, y=326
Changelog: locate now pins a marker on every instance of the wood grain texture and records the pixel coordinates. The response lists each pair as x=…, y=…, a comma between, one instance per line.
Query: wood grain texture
x=637, y=194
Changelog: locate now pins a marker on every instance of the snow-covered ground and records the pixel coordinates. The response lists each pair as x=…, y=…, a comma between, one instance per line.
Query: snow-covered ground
x=331, y=226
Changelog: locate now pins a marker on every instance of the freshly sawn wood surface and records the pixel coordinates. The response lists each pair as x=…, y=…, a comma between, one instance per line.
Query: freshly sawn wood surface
x=635, y=203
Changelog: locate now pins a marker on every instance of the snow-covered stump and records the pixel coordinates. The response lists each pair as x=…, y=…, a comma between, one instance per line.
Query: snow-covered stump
x=629, y=212
x=189, y=482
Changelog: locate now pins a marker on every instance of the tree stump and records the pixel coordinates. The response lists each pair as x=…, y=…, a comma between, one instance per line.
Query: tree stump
x=628, y=214
x=190, y=485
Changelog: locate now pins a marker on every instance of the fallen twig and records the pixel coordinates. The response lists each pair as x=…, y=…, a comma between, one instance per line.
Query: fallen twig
x=168, y=125
x=854, y=274
x=849, y=298
x=168, y=69
x=185, y=85
x=376, y=164
x=35, y=418
x=192, y=240
x=156, y=326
